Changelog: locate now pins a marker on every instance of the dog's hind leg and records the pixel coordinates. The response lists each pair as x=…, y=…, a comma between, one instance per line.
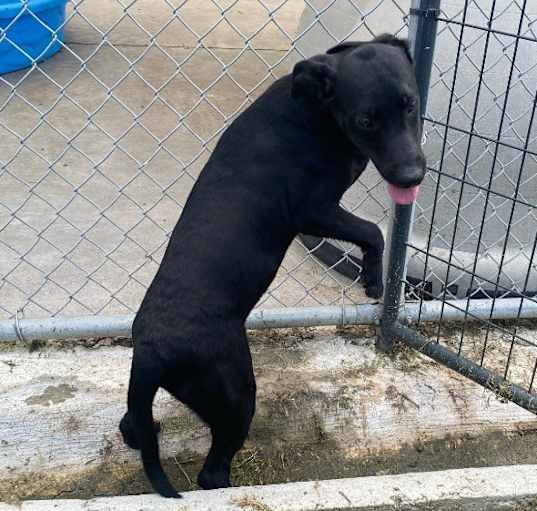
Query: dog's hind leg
x=222, y=394
x=127, y=431
x=229, y=424
x=137, y=425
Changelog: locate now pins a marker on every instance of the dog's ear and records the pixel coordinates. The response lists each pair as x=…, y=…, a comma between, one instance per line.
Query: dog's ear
x=315, y=79
x=347, y=45
x=395, y=41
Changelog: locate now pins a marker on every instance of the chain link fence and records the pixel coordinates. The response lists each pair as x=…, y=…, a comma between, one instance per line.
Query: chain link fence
x=475, y=224
x=100, y=145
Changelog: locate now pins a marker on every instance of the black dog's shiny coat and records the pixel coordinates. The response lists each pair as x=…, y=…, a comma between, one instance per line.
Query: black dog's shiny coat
x=280, y=168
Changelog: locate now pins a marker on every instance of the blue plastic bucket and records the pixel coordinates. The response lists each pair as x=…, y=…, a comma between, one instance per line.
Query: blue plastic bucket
x=25, y=39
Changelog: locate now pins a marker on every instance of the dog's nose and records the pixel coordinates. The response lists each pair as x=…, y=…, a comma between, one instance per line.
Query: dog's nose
x=409, y=176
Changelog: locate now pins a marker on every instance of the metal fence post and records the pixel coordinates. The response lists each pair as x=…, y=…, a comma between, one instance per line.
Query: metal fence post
x=422, y=35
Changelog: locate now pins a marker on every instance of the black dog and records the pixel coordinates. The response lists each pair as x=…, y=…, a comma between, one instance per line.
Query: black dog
x=280, y=169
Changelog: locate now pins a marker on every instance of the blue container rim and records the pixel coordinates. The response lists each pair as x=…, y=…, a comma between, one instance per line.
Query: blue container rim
x=11, y=8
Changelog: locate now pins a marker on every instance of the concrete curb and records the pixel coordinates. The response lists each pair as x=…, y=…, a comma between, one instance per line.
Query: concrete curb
x=507, y=487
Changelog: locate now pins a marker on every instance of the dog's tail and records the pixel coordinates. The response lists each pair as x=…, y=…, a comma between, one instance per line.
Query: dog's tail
x=142, y=390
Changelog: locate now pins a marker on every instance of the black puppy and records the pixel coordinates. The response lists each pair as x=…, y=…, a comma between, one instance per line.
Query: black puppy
x=280, y=169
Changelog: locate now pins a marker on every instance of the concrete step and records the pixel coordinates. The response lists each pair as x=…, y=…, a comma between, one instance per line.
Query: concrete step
x=491, y=489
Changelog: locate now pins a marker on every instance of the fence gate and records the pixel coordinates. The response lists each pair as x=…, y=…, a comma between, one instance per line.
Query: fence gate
x=100, y=145
x=492, y=179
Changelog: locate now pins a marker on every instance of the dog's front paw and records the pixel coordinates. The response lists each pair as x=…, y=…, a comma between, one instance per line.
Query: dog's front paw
x=374, y=290
x=372, y=275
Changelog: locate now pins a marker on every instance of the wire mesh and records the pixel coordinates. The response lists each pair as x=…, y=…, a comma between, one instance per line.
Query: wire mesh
x=100, y=144
x=476, y=234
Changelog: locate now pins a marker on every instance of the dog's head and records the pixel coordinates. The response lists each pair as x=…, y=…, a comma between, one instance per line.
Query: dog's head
x=370, y=89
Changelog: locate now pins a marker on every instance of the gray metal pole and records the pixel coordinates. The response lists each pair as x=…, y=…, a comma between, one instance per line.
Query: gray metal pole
x=363, y=314
x=422, y=36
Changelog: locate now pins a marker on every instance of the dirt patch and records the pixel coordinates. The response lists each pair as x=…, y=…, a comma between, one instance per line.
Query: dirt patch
x=65, y=344
x=285, y=337
x=53, y=395
x=325, y=460
x=73, y=424
x=250, y=503
x=399, y=400
x=353, y=332
x=271, y=464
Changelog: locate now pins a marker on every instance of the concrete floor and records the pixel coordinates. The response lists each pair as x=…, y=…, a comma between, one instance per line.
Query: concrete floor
x=100, y=145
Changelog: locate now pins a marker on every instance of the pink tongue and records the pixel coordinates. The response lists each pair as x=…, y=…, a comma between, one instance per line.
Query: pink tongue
x=403, y=195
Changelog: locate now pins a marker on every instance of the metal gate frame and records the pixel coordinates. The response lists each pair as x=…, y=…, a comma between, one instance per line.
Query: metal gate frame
x=425, y=15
